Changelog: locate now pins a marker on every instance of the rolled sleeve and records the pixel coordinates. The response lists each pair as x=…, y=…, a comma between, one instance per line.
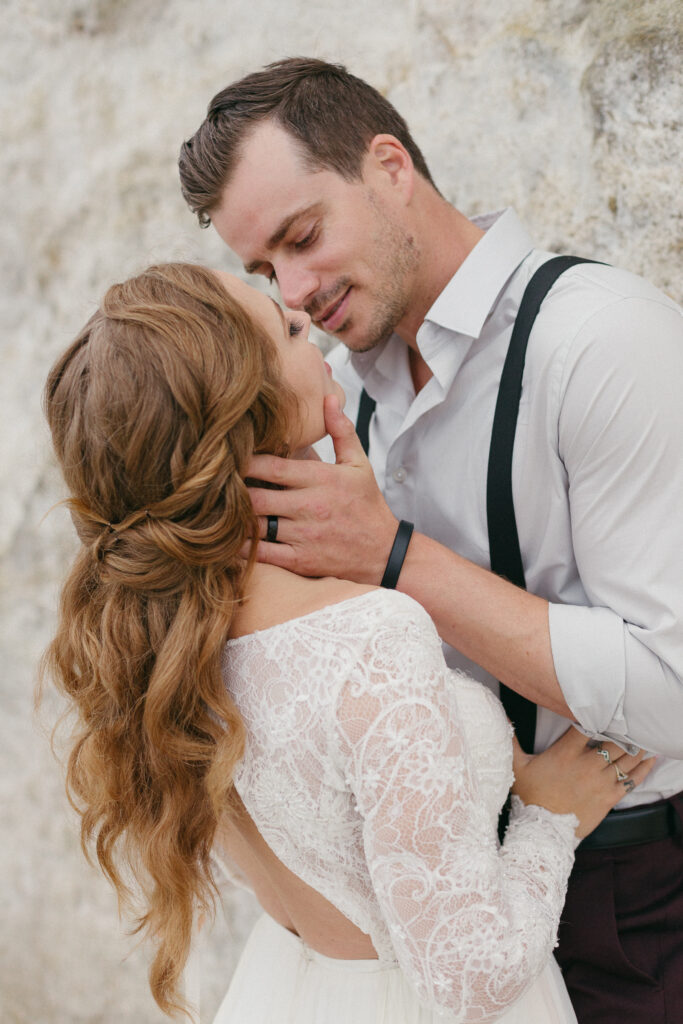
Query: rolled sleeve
x=588, y=652
x=615, y=686
x=620, y=661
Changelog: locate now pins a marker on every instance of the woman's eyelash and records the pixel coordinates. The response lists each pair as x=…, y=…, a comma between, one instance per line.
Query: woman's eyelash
x=295, y=327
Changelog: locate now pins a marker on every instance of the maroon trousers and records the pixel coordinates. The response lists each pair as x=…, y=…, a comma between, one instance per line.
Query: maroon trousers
x=621, y=933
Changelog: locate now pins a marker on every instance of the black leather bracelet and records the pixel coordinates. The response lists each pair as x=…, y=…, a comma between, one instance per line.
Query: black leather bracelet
x=397, y=555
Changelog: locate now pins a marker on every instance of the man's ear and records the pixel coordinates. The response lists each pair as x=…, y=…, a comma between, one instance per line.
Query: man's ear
x=388, y=162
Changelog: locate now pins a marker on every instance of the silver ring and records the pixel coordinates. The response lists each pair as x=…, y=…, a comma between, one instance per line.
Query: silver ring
x=621, y=776
x=604, y=754
x=271, y=530
x=629, y=784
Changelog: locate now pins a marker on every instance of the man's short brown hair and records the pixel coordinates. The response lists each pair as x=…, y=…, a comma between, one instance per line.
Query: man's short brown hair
x=332, y=114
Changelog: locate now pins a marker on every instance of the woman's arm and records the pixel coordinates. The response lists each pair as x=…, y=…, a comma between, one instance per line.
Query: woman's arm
x=472, y=924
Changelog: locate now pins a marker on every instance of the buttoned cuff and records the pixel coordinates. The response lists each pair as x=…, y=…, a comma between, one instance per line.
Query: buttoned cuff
x=588, y=651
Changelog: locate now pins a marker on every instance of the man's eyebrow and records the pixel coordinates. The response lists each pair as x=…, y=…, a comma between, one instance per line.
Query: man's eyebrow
x=280, y=232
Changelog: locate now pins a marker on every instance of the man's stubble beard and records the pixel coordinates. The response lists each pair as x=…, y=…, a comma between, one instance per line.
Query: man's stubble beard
x=397, y=257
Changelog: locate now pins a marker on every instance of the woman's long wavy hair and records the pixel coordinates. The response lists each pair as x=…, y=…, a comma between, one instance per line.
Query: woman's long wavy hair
x=155, y=410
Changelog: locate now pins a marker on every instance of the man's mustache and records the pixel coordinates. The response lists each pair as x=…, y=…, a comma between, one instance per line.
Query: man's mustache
x=325, y=300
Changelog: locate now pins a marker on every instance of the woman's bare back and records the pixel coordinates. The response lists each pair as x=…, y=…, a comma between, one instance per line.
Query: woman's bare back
x=292, y=903
x=275, y=596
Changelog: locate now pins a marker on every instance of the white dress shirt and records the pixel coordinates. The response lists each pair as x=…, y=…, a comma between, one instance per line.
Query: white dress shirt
x=597, y=473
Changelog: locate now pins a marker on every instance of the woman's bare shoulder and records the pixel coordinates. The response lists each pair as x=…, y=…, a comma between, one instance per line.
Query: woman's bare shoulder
x=274, y=595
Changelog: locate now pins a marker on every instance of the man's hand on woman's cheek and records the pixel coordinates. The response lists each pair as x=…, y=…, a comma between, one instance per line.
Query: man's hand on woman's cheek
x=332, y=519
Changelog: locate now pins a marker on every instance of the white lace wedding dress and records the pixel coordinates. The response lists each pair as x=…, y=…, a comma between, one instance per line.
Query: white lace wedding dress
x=376, y=774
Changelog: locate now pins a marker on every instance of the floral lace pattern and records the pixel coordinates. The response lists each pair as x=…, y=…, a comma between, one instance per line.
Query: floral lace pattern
x=376, y=774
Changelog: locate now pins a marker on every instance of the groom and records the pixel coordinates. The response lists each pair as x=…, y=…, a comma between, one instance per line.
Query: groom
x=313, y=179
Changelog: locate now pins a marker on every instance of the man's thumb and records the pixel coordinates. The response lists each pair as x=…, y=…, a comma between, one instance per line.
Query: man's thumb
x=347, y=447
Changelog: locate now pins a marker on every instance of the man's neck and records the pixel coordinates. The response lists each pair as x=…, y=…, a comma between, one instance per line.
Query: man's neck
x=419, y=370
x=445, y=241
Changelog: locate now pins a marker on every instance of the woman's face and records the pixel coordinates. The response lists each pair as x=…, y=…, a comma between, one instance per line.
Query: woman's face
x=302, y=365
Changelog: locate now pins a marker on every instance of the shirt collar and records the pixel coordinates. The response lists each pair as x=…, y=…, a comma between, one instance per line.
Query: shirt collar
x=470, y=295
x=463, y=305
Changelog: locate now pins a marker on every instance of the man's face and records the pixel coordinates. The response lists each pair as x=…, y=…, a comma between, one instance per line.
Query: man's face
x=337, y=249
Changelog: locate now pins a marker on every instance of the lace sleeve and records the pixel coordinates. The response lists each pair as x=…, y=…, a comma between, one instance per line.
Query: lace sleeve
x=471, y=924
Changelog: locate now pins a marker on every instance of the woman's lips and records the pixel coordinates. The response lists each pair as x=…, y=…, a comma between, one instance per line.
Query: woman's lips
x=335, y=317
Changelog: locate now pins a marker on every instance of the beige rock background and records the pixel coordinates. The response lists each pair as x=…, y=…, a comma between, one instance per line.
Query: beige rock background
x=568, y=109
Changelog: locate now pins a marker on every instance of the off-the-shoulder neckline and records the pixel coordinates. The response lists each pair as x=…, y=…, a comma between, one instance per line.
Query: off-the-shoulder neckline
x=356, y=598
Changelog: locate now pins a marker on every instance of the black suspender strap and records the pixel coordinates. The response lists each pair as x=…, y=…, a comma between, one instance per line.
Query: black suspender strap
x=506, y=558
x=365, y=411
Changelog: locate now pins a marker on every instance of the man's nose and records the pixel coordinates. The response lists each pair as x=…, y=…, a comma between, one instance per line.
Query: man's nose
x=297, y=285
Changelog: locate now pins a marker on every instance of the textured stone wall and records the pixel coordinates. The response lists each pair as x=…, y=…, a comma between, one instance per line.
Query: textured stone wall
x=568, y=109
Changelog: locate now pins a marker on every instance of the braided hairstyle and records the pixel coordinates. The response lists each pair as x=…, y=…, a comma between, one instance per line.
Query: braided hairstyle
x=155, y=410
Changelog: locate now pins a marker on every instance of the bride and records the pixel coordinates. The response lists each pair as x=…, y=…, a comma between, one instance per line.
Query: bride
x=306, y=733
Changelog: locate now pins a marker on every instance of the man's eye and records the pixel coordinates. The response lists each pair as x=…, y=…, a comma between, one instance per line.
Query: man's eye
x=303, y=242
x=295, y=327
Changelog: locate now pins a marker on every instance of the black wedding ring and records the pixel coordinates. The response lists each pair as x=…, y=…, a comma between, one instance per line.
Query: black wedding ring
x=271, y=531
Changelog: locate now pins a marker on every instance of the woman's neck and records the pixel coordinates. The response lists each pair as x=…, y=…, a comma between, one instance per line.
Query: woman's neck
x=273, y=595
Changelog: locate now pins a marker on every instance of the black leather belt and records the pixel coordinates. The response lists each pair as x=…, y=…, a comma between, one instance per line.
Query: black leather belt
x=635, y=825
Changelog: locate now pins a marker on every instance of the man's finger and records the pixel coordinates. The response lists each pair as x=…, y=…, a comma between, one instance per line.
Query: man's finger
x=271, y=503
x=281, y=533
x=276, y=554
x=347, y=446
x=306, y=453
x=286, y=472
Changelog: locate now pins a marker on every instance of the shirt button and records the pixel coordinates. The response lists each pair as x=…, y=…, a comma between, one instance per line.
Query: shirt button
x=399, y=475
